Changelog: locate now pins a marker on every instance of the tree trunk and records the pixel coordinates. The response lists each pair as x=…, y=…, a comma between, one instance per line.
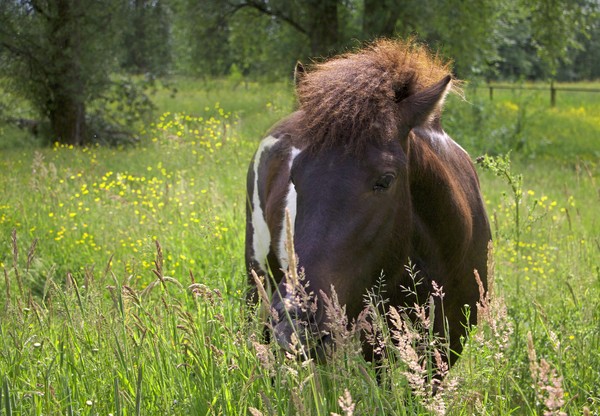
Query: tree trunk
x=66, y=106
x=380, y=17
x=137, y=48
x=323, y=29
x=67, y=119
x=320, y=22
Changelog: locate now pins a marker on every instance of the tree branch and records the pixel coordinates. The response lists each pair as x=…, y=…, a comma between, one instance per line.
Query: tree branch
x=37, y=7
x=20, y=46
x=262, y=7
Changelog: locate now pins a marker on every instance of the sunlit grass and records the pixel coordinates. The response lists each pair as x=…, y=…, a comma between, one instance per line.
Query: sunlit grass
x=99, y=318
x=523, y=120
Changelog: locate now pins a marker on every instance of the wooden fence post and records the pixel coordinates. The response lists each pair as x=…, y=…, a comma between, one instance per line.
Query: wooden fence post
x=553, y=89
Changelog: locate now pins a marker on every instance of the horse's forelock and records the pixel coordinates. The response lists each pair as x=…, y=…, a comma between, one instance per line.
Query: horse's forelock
x=351, y=99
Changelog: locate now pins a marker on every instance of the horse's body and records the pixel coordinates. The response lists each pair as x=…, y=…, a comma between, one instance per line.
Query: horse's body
x=371, y=180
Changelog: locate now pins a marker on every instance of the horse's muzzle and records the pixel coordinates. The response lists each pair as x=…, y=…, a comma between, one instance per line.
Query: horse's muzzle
x=300, y=334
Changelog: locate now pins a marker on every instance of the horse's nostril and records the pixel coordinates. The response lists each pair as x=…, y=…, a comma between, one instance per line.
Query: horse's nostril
x=283, y=333
x=302, y=339
x=297, y=331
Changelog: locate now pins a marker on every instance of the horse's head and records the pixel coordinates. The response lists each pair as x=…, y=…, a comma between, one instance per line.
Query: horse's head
x=352, y=214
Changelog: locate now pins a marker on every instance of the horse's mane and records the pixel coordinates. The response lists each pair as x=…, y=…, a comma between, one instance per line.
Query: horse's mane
x=351, y=99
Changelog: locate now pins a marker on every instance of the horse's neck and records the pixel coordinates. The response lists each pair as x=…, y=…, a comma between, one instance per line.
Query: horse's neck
x=441, y=180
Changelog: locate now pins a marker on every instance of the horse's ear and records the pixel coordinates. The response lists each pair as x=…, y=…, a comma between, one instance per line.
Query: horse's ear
x=420, y=108
x=299, y=72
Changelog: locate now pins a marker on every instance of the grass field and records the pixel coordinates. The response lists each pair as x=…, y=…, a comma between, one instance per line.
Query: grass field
x=123, y=275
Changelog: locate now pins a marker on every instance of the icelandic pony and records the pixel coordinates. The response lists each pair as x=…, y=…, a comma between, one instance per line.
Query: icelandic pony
x=371, y=180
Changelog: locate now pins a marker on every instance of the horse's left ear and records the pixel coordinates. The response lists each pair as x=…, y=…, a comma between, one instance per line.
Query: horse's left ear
x=299, y=72
x=420, y=108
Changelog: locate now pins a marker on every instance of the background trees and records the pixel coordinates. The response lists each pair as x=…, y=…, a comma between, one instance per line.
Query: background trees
x=64, y=56
x=497, y=39
x=146, y=37
x=57, y=55
x=72, y=60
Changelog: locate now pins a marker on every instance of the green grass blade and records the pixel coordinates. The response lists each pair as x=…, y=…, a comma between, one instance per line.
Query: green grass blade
x=7, y=404
x=69, y=398
x=138, y=392
x=117, y=399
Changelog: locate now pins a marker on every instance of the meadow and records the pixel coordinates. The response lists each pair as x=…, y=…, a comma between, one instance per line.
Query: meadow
x=124, y=281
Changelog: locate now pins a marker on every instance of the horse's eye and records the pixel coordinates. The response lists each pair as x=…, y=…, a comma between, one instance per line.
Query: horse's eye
x=384, y=182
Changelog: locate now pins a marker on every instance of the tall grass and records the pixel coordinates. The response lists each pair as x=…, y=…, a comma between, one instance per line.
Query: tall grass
x=522, y=120
x=123, y=280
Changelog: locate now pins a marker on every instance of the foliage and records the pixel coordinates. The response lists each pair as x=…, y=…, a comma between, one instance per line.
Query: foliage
x=523, y=121
x=555, y=26
x=588, y=54
x=496, y=39
x=123, y=283
x=256, y=58
x=456, y=40
x=146, y=37
x=501, y=166
x=200, y=37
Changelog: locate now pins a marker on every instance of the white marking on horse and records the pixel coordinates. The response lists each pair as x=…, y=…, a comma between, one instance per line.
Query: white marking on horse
x=449, y=139
x=440, y=140
x=290, y=204
x=261, y=237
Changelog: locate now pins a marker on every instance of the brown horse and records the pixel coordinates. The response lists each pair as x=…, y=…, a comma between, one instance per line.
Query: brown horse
x=371, y=180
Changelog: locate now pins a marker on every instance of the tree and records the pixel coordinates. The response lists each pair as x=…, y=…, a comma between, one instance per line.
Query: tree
x=212, y=35
x=585, y=61
x=201, y=32
x=323, y=26
x=461, y=29
x=60, y=55
x=316, y=19
x=541, y=39
x=555, y=26
x=253, y=56
x=380, y=18
x=146, y=37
